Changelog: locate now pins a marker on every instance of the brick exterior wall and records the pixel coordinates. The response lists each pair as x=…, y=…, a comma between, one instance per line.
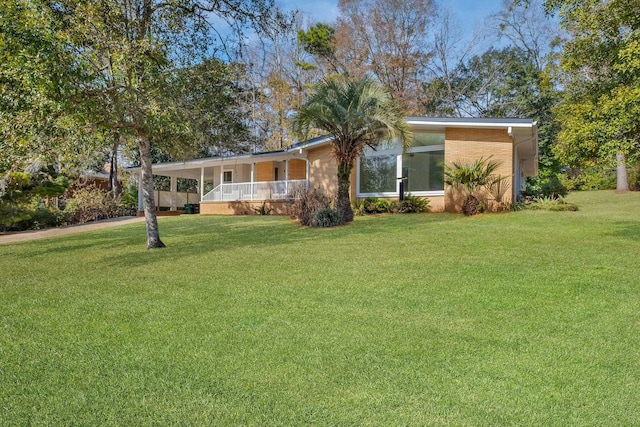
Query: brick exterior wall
x=468, y=145
x=279, y=207
x=323, y=169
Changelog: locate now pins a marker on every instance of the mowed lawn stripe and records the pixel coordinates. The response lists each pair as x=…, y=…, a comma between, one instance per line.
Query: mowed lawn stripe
x=528, y=317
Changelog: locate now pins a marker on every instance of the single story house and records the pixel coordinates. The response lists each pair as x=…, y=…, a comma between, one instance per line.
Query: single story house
x=239, y=184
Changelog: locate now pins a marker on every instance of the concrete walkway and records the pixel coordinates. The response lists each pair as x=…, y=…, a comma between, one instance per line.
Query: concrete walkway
x=23, y=236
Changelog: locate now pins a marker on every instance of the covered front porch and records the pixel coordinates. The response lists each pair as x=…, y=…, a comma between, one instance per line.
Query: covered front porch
x=231, y=185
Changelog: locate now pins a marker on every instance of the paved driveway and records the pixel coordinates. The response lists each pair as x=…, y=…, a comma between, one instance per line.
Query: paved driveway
x=61, y=231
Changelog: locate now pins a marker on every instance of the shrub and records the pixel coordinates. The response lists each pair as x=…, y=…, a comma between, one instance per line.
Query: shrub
x=517, y=206
x=306, y=202
x=471, y=177
x=594, y=178
x=374, y=205
x=129, y=198
x=44, y=217
x=13, y=217
x=546, y=184
x=90, y=204
x=413, y=204
x=327, y=217
x=263, y=209
x=20, y=218
x=551, y=203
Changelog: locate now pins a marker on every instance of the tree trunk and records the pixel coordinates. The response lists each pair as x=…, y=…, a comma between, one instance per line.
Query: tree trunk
x=622, y=186
x=343, y=201
x=153, y=234
x=113, y=171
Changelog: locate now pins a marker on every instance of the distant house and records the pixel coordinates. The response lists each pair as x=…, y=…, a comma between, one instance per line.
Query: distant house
x=238, y=184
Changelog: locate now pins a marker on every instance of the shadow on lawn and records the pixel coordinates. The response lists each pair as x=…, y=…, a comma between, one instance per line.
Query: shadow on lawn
x=206, y=235
x=627, y=229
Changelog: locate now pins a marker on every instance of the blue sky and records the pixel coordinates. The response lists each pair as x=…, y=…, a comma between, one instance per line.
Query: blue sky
x=469, y=12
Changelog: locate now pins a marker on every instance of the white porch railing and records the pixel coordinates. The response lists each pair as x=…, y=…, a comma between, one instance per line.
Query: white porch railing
x=266, y=190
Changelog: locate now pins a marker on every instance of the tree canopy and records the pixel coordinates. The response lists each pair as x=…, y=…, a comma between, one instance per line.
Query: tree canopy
x=599, y=112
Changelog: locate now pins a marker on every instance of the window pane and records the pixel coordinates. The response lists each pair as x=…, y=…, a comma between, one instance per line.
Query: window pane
x=425, y=139
x=378, y=174
x=424, y=171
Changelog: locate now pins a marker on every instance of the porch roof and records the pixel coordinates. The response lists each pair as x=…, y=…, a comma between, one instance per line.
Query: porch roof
x=191, y=168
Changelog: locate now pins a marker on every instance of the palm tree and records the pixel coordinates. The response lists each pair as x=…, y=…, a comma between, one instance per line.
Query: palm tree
x=357, y=113
x=470, y=177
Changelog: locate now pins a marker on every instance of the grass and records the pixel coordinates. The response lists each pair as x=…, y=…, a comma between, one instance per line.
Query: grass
x=525, y=318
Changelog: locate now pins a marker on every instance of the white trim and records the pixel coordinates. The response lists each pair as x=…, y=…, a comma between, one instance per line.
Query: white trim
x=470, y=124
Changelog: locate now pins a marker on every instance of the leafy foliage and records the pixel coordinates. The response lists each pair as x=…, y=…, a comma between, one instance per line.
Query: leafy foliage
x=471, y=177
x=413, y=204
x=551, y=203
x=375, y=205
x=90, y=203
x=327, y=217
x=601, y=108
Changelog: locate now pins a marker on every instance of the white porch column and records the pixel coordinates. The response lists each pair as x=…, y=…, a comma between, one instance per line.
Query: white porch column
x=140, y=202
x=286, y=177
x=221, y=181
x=173, y=193
x=253, y=170
x=201, y=183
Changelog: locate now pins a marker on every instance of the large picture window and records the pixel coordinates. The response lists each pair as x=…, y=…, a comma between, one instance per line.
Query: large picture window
x=378, y=174
x=424, y=171
x=422, y=165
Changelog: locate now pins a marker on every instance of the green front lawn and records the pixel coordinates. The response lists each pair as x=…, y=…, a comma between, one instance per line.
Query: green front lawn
x=526, y=318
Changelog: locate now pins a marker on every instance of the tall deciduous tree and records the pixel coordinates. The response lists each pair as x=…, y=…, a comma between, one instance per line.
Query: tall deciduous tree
x=281, y=76
x=599, y=115
x=393, y=36
x=442, y=90
x=38, y=120
x=127, y=55
x=357, y=113
x=388, y=39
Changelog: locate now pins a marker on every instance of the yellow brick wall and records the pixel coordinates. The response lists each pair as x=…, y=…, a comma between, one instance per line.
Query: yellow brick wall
x=468, y=145
x=279, y=207
x=265, y=171
x=323, y=169
x=297, y=169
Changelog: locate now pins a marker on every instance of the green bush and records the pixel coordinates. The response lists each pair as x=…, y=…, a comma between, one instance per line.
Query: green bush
x=413, y=204
x=327, y=217
x=374, y=205
x=21, y=218
x=129, y=197
x=551, y=203
x=13, y=217
x=594, y=178
x=44, y=217
x=545, y=185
